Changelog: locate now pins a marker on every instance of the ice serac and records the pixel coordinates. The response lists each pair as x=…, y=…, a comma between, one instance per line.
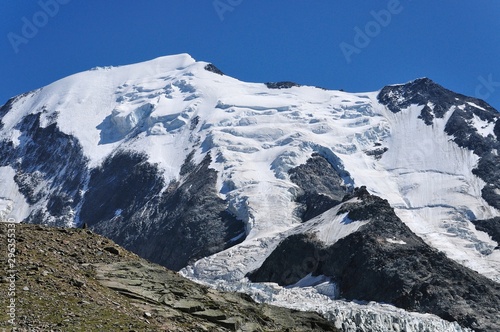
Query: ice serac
x=204, y=173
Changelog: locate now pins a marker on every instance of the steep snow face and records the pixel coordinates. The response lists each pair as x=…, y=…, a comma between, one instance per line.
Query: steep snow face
x=436, y=193
x=13, y=205
x=167, y=108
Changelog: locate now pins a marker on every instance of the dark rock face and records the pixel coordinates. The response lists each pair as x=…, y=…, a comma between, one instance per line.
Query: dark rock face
x=466, y=135
x=213, y=69
x=183, y=223
x=426, y=115
x=367, y=266
x=281, y=85
x=377, y=152
x=489, y=171
x=490, y=226
x=496, y=129
x=123, y=183
x=322, y=186
x=47, y=155
x=295, y=257
x=421, y=92
x=486, y=169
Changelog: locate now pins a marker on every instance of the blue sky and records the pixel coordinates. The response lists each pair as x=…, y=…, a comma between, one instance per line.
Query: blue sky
x=343, y=44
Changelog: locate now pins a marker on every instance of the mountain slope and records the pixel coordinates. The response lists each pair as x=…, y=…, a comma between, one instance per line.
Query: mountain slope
x=384, y=261
x=203, y=173
x=102, y=287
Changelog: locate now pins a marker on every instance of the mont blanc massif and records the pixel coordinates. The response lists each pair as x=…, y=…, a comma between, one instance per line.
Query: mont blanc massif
x=378, y=210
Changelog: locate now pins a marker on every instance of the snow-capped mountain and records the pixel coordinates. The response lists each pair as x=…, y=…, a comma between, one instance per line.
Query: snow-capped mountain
x=230, y=181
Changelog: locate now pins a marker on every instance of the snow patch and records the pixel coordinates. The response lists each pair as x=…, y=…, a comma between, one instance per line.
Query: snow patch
x=13, y=205
x=322, y=284
x=475, y=105
x=395, y=241
x=16, y=137
x=484, y=128
x=330, y=227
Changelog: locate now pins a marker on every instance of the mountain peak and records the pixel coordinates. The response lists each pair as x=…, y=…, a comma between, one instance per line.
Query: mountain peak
x=424, y=91
x=179, y=60
x=206, y=174
x=421, y=81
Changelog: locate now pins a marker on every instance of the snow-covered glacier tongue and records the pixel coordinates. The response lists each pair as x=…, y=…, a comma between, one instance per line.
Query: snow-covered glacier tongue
x=213, y=176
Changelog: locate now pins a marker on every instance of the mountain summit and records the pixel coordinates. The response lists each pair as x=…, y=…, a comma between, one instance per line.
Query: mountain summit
x=223, y=180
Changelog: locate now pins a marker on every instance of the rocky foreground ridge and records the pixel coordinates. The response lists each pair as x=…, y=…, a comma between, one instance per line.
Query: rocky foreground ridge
x=76, y=280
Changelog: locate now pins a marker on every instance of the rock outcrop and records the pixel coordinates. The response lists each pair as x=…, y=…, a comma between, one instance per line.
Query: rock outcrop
x=76, y=280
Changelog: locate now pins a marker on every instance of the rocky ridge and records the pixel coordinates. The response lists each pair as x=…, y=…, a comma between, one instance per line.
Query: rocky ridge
x=76, y=280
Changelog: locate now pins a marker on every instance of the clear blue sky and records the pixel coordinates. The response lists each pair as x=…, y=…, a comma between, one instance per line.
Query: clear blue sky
x=454, y=42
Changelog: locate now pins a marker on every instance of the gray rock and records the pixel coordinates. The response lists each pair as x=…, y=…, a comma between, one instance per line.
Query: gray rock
x=187, y=222
x=169, y=295
x=189, y=306
x=211, y=315
x=112, y=250
x=490, y=226
x=323, y=186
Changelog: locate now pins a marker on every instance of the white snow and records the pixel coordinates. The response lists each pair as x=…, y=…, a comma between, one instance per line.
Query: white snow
x=310, y=281
x=13, y=205
x=16, y=137
x=340, y=227
x=483, y=127
x=395, y=241
x=170, y=106
x=330, y=226
x=475, y=105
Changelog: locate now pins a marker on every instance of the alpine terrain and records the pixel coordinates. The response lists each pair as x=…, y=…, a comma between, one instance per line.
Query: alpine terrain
x=378, y=210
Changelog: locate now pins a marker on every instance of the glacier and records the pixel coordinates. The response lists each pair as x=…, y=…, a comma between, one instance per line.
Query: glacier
x=172, y=107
